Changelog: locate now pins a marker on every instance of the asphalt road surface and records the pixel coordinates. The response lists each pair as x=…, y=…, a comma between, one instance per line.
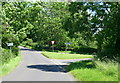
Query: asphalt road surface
x=35, y=67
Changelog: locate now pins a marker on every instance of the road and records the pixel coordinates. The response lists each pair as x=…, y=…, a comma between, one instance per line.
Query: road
x=36, y=67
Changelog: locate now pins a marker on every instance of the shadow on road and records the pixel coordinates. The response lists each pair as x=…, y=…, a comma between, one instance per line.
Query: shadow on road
x=49, y=68
x=26, y=49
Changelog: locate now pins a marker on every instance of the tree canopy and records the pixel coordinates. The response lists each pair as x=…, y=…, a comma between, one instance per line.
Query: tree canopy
x=84, y=24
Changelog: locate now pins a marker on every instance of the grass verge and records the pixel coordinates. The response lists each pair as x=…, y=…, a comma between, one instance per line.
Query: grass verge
x=10, y=66
x=27, y=46
x=54, y=55
x=94, y=71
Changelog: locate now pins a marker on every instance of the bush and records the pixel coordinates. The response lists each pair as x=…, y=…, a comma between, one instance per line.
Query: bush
x=86, y=50
x=29, y=42
x=24, y=43
x=104, y=55
x=6, y=56
x=15, y=50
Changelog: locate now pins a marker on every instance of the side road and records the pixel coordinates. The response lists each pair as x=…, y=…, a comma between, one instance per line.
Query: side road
x=36, y=67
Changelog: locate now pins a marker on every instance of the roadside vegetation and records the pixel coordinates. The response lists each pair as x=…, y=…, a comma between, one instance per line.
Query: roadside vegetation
x=8, y=62
x=9, y=66
x=91, y=28
x=94, y=70
x=54, y=55
x=86, y=26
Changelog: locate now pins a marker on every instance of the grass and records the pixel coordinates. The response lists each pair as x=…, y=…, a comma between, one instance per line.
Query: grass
x=65, y=52
x=10, y=66
x=59, y=51
x=27, y=46
x=94, y=71
x=54, y=55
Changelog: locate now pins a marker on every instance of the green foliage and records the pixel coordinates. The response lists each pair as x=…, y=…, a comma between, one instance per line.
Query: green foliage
x=108, y=68
x=81, y=64
x=94, y=71
x=9, y=66
x=107, y=38
x=15, y=50
x=29, y=43
x=15, y=25
x=6, y=56
x=50, y=28
x=8, y=35
x=101, y=25
x=65, y=56
x=84, y=25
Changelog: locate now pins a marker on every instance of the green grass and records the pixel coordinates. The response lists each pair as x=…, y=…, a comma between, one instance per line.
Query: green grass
x=27, y=46
x=54, y=55
x=10, y=66
x=94, y=71
x=64, y=52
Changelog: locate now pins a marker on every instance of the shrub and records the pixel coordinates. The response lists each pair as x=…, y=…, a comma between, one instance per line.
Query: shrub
x=15, y=51
x=86, y=50
x=6, y=56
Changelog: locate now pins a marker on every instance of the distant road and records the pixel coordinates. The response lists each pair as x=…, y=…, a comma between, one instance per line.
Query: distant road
x=35, y=67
